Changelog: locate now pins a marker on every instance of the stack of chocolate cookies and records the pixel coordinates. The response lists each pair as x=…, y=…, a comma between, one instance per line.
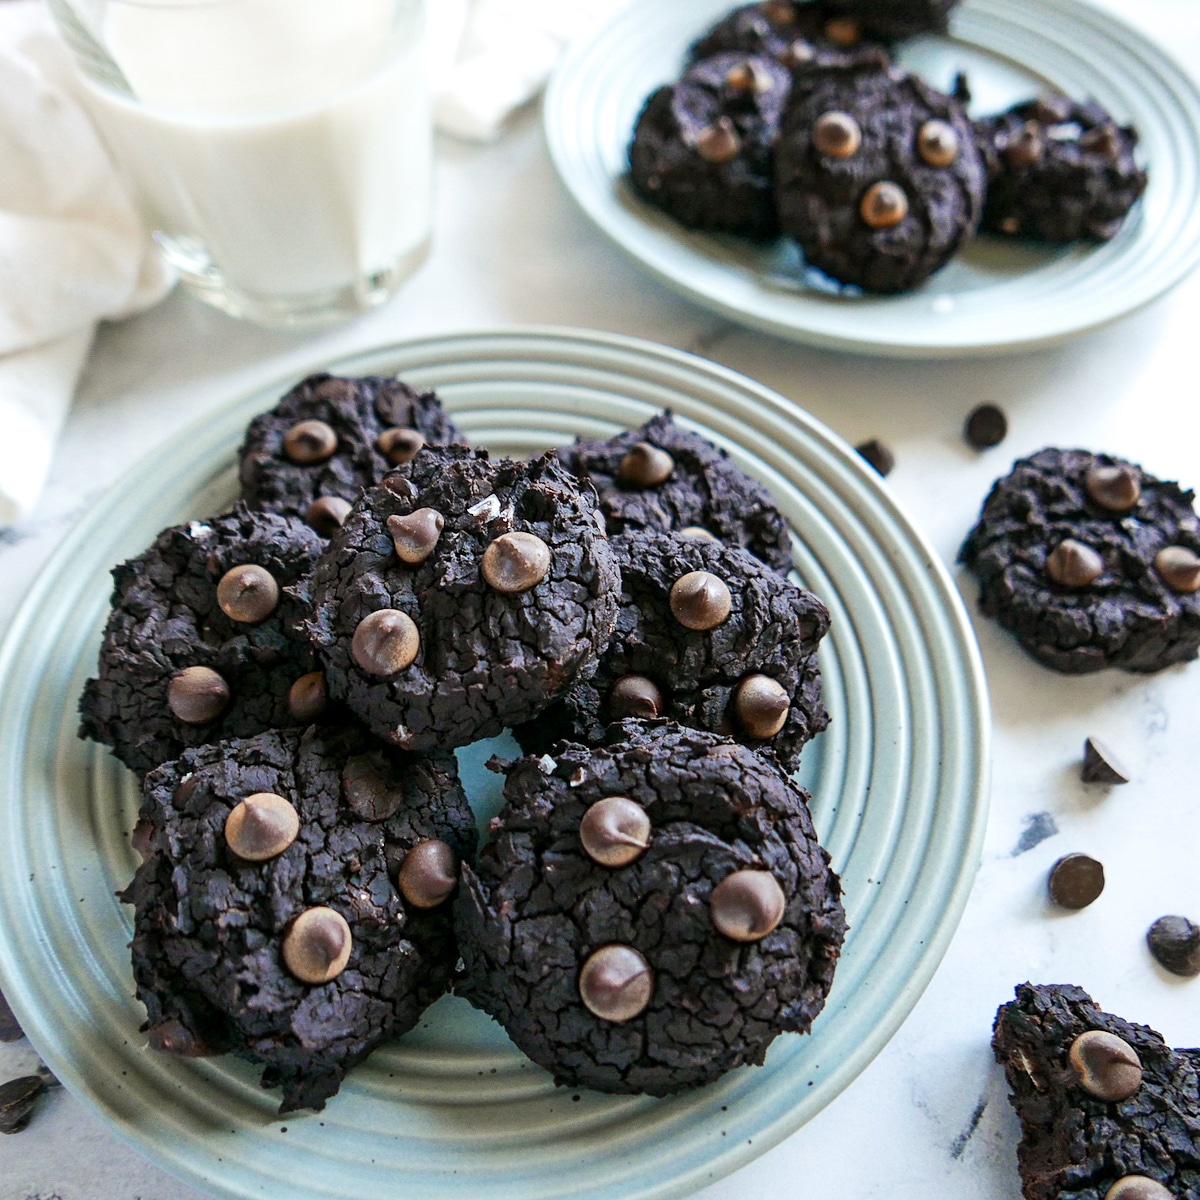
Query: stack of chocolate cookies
x=790, y=118
x=290, y=680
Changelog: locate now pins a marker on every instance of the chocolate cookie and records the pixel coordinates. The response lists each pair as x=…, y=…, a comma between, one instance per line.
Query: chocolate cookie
x=1059, y=171
x=462, y=595
x=329, y=438
x=878, y=177
x=649, y=915
x=1091, y=562
x=1108, y=1111
x=701, y=148
x=267, y=921
x=800, y=35
x=201, y=643
x=892, y=20
x=663, y=477
x=706, y=636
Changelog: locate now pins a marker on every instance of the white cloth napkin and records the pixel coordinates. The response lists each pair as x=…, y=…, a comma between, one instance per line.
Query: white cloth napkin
x=488, y=57
x=72, y=249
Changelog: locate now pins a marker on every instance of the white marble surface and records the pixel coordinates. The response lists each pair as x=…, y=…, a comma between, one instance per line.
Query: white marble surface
x=929, y=1116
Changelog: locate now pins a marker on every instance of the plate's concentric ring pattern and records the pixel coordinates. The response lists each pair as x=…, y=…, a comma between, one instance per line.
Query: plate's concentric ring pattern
x=995, y=299
x=453, y=1111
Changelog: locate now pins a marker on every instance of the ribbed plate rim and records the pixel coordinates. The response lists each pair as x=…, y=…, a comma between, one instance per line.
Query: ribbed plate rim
x=578, y=148
x=528, y=342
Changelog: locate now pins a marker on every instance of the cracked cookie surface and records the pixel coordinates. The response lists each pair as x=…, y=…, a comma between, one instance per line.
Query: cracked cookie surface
x=482, y=657
x=538, y=907
x=1128, y=615
x=210, y=927
x=703, y=490
x=167, y=618
x=288, y=476
x=773, y=631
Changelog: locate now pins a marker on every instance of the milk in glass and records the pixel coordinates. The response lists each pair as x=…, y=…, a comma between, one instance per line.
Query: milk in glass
x=283, y=148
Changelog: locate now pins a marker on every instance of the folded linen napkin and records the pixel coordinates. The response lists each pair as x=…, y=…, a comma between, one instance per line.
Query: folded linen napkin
x=73, y=250
x=488, y=57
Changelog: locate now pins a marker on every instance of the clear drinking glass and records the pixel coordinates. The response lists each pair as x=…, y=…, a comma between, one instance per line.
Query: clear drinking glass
x=281, y=149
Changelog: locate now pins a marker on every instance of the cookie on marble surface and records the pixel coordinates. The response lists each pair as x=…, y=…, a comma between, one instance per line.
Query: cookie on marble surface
x=293, y=903
x=330, y=437
x=892, y=20
x=663, y=477
x=462, y=595
x=1059, y=171
x=878, y=177
x=707, y=636
x=1091, y=562
x=799, y=34
x=202, y=642
x=702, y=147
x=1108, y=1110
x=651, y=914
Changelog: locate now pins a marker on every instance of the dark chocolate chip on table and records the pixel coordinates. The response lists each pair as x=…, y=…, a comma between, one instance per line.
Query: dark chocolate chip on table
x=1076, y=880
x=878, y=455
x=10, y=1031
x=17, y=1098
x=986, y=426
x=1100, y=765
x=1175, y=944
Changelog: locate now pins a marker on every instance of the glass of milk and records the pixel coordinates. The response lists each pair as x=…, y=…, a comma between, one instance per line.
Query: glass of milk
x=282, y=149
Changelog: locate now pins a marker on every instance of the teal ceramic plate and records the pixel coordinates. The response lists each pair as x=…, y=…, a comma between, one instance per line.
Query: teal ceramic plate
x=993, y=298
x=453, y=1111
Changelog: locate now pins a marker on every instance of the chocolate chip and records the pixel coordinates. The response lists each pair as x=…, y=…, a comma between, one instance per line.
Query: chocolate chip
x=385, y=642
x=700, y=601
x=1107, y=1066
x=761, y=705
x=1175, y=943
x=843, y=31
x=747, y=905
x=1138, y=1187
x=986, y=426
x=645, y=466
x=799, y=53
x=515, y=562
x=1026, y=147
x=747, y=77
x=616, y=983
x=248, y=594
x=399, y=446
x=615, y=831
x=308, y=697
x=261, y=827
x=1117, y=488
x=1100, y=765
x=1075, y=881
x=197, y=695
x=17, y=1098
x=878, y=455
x=1179, y=569
x=317, y=945
x=366, y=788
x=327, y=514
x=778, y=12
x=884, y=205
x=309, y=442
x=1074, y=565
x=10, y=1030
x=428, y=874
x=635, y=696
x=416, y=535
x=698, y=533
x=836, y=135
x=937, y=143
x=719, y=143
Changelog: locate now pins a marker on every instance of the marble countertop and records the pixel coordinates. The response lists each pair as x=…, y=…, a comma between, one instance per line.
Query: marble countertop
x=929, y=1116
